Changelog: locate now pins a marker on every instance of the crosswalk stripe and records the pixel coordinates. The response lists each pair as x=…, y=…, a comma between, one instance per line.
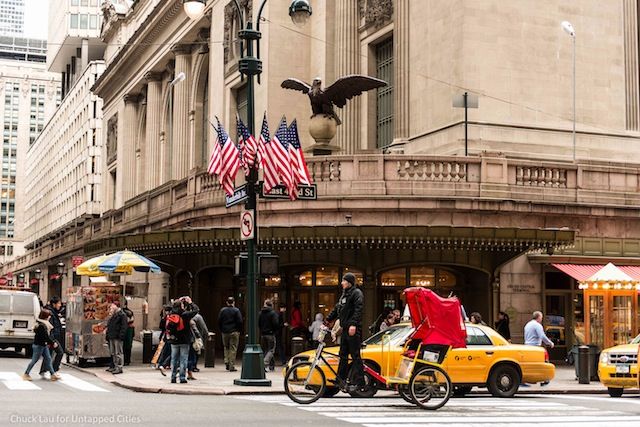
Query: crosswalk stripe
x=394, y=412
x=79, y=384
x=13, y=381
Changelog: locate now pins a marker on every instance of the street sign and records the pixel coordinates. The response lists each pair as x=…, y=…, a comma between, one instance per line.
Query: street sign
x=239, y=195
x=305, y=192
x=247, y=225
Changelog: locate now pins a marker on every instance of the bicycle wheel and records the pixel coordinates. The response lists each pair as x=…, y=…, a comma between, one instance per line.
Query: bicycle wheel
x=304, y=385
x=403, y=391
x=430, y=387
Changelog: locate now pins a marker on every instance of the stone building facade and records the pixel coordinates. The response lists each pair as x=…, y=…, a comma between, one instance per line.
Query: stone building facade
x=400, y=204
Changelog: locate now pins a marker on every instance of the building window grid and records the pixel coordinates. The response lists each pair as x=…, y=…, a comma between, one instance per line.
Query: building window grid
x=384, y=98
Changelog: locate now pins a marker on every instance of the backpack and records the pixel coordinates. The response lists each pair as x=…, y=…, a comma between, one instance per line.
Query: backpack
x=173, y=325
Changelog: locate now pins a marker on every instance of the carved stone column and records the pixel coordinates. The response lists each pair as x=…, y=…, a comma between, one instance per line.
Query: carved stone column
x=128, y=174
x=152, y=136
x=180, y=127
x=401, y=75
x=348, y=62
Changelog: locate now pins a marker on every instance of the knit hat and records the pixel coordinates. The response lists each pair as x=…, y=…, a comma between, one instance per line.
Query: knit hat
x=349, y=277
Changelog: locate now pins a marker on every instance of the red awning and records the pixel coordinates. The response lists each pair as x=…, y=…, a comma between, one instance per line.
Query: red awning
x=582, y=272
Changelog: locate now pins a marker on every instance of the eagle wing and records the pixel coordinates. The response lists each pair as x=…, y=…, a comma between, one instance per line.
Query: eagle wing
x=296, y=84
x=349, y=86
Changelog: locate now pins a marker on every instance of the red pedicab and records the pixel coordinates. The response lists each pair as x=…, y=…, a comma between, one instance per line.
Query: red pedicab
x=420, y=379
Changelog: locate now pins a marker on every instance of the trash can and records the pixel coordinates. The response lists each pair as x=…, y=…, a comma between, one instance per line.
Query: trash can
x=593, y=359
x=297, y=345
x=147, y=346
x=210, y=351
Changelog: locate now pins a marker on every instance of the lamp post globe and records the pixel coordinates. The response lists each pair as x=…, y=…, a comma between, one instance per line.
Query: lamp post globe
x=300, y=11
x=193, y=8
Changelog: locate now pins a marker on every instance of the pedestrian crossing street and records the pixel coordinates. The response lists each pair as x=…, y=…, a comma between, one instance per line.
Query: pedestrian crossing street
x=467, y=412
x=14, y=381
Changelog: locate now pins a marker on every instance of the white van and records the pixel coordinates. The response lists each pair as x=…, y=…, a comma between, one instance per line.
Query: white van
x=18, y=313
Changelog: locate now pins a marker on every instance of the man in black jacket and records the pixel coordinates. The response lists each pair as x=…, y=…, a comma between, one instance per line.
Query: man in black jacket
x=54, y=307
x=349, y=312
x=116, y=332
x=230, y=324
x=179, y=335
x=268, y=324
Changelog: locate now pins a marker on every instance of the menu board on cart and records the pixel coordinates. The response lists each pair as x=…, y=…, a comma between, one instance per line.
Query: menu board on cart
x=96, y=301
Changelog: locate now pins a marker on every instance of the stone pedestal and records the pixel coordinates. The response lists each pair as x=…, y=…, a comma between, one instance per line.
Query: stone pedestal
x=322, y=129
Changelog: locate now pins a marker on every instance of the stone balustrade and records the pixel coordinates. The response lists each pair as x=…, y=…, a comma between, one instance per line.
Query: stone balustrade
x=376, y=179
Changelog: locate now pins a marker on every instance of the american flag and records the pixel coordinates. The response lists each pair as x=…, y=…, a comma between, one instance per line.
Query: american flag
x=280, y=155
x=266, y=158
x=230, y=160
x=262, y=140
x=296, y=157
x=248, y=146
x=215, y=161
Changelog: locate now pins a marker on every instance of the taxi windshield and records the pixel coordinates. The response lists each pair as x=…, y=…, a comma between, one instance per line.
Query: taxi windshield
x=396, y=335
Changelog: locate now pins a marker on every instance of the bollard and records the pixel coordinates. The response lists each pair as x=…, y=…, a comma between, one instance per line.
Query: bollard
x=583, y=365
x=147, y=346
x=297, y=345
x=210, y=351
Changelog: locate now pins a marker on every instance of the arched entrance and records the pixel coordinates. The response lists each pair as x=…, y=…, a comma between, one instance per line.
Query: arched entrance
x=470, y=285
x=213, y=285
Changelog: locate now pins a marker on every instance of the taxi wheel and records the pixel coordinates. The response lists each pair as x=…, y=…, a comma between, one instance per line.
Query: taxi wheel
x=461, y=391
x=330, y=391
x=615, y=392
x=503, y=381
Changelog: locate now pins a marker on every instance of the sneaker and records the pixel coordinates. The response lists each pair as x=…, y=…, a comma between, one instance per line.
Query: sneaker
x=162, y=371
x=43, y=376
x=110, y=369
x=196, y=370
x=116, y=372
x=232, y=369
x=226, y=366
x=26, y=377
x=173, y=380
x=55, y=377
x=183, y=381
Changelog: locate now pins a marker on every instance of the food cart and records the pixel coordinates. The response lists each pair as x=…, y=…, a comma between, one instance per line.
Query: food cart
x=87, y=315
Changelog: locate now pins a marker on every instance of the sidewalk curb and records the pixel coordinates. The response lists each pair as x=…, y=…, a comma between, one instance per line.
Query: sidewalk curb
x=140, y=388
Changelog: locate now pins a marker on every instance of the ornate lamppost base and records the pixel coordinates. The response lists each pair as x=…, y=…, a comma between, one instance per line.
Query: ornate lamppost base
x=252, y=367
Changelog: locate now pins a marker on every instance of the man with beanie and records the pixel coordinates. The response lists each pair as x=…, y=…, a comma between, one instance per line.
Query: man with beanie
x=349, y=312
x=268, y=324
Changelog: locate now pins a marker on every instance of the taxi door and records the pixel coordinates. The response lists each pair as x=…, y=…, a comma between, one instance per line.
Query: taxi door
x=471, y=365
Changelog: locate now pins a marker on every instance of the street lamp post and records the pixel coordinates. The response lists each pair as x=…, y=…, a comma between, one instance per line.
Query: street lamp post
x=250, y=66
x=568, y=28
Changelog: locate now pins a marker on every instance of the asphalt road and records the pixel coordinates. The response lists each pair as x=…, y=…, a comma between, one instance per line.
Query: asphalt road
x=81, y=399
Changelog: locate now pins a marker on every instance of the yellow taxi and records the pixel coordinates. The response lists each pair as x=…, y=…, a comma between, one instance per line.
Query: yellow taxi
x=618, y=367
x=488, y=360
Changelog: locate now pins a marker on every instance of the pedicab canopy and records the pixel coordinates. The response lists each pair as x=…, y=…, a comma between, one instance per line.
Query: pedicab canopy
x=436, y=320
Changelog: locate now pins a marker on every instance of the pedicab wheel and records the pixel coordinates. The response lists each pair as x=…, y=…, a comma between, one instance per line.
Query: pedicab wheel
x=304, y=385
x=403, y=391
x=430, y=387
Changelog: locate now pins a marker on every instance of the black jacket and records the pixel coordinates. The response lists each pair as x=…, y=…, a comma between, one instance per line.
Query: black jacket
x=184, y=336
x=117, y=326
x=349, y=308
x=229, y=320
x=42, y=335
x=268, y=321
x=502, y=327
x=56, y=332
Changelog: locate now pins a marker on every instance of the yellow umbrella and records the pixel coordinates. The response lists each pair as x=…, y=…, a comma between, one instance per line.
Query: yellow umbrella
x=91, y=267
x=123, y=262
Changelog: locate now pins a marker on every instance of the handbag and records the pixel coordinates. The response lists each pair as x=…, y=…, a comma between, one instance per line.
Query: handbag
x=198, y=344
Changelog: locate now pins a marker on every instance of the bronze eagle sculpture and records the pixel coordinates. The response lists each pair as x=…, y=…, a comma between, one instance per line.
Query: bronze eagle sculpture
x=323, y=100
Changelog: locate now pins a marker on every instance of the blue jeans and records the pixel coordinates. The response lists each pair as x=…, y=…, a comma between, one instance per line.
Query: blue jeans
x=38, y=351
x=179, y=357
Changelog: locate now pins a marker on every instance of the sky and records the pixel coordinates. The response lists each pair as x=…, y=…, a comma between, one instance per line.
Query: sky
x=35, y=19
